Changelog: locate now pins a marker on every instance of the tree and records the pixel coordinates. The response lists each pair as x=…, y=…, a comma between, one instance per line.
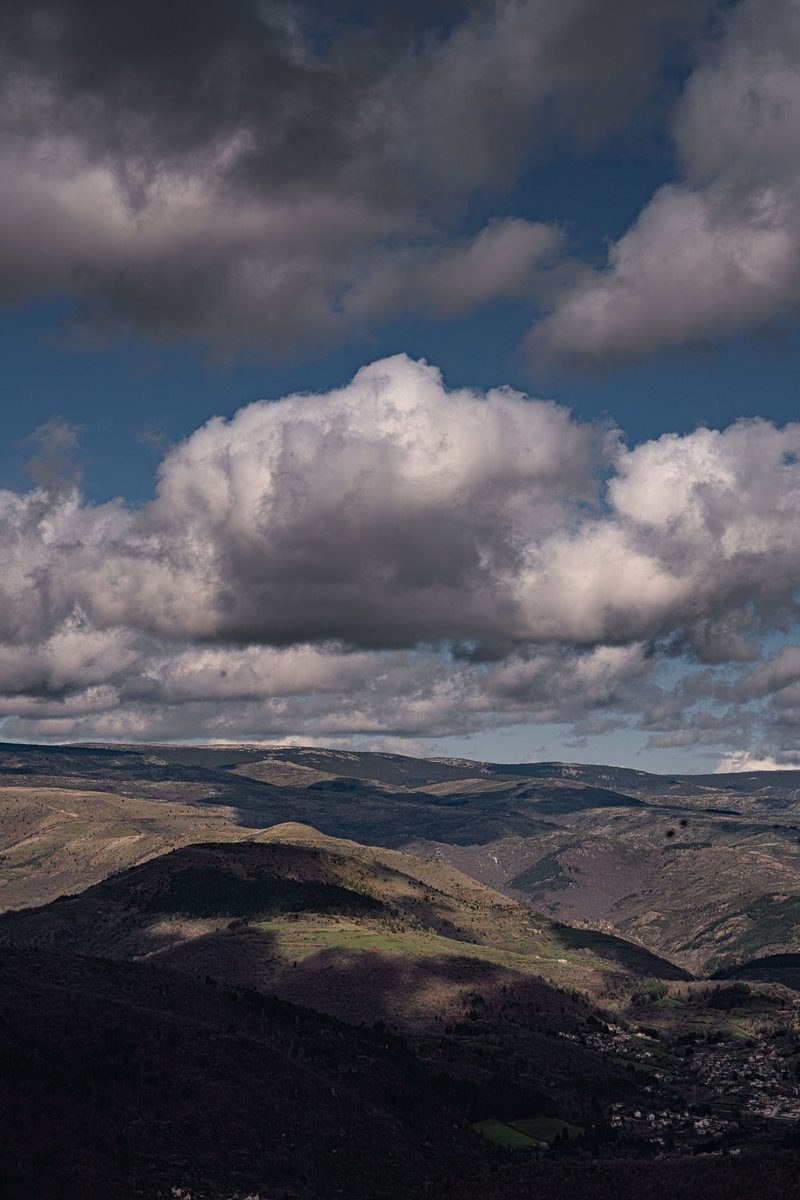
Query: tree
x=649, y=991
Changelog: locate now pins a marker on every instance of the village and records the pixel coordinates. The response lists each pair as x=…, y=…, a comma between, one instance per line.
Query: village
x=721, y=1095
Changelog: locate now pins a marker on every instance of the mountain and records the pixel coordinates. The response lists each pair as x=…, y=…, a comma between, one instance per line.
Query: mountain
x=281, y=1013
x=703, y=890
x=334, y=976
x=771, y=968
x=294, y=869
x=701, y=870
x=367, y=935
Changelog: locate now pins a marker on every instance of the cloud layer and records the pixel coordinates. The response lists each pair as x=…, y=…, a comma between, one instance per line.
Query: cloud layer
x=394, y=558
x=260, y=174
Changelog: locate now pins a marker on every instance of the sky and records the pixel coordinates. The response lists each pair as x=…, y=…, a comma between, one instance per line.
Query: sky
x=407, y=377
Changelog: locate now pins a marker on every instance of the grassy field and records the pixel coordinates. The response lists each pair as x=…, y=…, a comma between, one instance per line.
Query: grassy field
x=505, y=1135
x=297, y=939
x=526, y=1133
x=547, y=1129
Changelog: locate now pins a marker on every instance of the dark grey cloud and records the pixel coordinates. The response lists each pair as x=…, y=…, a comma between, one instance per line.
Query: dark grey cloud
x=769, y=694
x=148, y=86
x=257, y=173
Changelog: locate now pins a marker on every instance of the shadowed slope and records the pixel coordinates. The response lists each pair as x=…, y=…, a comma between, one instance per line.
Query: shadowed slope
x=118, y=1080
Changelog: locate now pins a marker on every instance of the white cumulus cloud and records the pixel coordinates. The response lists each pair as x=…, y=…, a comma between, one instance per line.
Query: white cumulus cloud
x=396, y=559
x=717, y=251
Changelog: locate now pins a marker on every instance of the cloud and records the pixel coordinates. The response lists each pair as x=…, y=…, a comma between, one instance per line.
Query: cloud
x=53, y=467
x=259, y=175
x=508, y=259
x=391, y=512
x=311, y=694
x=769, y=693
x=742, y=760
x=394, y=513
x=701, y=729
x=396, y=559
x=717, y=251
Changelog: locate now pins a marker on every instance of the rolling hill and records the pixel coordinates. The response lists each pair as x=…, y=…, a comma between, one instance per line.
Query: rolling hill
x=701, y=870
x=370, y=935
x=367, y=935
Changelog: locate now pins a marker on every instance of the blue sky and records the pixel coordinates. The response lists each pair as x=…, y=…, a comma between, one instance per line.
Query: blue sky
x=592, y=208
